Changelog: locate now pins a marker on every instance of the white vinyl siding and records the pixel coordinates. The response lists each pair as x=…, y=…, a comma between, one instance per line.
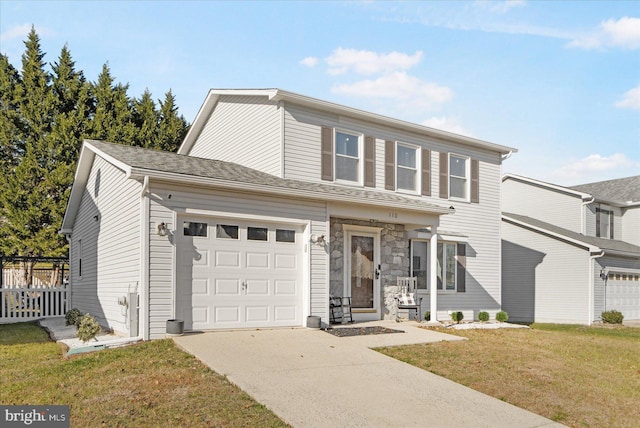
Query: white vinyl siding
x=162, y=271
x=110, y=245
x=630, y=225
x=543, y=279
x=548, y=205
x=244, y=130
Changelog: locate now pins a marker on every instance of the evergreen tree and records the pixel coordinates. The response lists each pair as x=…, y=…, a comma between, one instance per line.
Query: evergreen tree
x=146, y=120
x=113, y=119
x=11, y=147
x=171, y=128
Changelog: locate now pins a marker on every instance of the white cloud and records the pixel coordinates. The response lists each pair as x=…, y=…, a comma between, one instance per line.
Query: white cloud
x=630, y=99
x=444, y=123
x=367, y=62
x=19, y=31
x=500, y=6
x=594, y=167
x=400, y=87
x=309, y=61
x=624, y=33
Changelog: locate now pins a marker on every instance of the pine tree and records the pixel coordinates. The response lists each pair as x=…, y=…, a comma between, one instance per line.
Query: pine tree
x=11, y=146
x=113, y=120
x=171, y=128
x=146, y=120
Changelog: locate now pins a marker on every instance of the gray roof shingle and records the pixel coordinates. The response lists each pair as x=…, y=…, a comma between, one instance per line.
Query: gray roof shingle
x=189, y=166
x=602, y=243
x=621, y=190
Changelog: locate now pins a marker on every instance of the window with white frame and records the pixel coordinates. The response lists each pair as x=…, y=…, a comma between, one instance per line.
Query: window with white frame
x=604, y=223
x=458, y=177
x=446, y=271
x=347, y=156
x=406, y=167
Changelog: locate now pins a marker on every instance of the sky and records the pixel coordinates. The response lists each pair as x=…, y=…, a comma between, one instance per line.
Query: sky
x=558, y=80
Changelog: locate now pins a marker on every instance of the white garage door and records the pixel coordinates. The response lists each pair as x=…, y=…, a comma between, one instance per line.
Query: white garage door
x=238, y=274
x=623, y=294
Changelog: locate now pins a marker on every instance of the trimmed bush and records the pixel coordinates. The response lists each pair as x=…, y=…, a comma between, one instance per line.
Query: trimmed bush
x=427, y=316
x=73, y=316
x=502, y=316
x=88, y=328
x=612, y=317
x=483, y=316
x=457, y=316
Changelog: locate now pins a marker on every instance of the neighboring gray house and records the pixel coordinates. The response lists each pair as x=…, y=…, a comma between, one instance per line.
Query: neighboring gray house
x=569, y=253
x=275, y=201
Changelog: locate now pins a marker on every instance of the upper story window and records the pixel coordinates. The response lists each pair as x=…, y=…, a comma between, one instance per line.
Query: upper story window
x=604, y=223
x=458, y=177
x=347, y=157
x=407, y=167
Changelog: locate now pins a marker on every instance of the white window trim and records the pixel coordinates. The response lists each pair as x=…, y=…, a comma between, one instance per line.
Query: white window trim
x=360, y=181
x=418, y=168
x=467, y=177
x=455, y=271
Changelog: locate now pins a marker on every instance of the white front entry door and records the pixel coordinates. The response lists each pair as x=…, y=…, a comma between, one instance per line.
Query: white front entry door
x=362, y=272
x=238, y=274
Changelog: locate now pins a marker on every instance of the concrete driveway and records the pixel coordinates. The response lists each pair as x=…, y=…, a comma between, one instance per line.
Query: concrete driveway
x=310, y=378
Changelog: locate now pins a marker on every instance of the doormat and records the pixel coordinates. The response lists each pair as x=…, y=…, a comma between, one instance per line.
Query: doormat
x=360, y=331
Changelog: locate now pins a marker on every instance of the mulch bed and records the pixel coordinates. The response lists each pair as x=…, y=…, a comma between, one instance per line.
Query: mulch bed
x=360, y=331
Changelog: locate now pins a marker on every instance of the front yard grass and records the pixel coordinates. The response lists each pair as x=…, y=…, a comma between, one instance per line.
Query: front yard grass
x=150, y=384
x=578, y=376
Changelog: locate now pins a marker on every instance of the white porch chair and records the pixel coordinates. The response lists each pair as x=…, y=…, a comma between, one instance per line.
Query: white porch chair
x=408, y=295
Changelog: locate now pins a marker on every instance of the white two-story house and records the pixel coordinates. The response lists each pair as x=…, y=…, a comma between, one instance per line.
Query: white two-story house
x=570, y=253
x=274, y=202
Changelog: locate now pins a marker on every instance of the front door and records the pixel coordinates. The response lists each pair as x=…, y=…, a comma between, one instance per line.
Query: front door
x=362, y=273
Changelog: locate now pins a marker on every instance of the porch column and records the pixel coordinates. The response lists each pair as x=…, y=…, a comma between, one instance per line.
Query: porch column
x=433, y=277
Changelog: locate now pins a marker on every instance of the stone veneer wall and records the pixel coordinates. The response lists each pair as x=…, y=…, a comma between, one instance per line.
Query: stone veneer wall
x=394, y=253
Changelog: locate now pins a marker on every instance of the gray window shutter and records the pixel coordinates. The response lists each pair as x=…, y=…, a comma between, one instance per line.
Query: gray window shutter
x=426, y=172
x=390, y=165
x=475, y=181
x=369, y=161
x=327, y=153
x=597, y=222
x=461, y=267
x=444, y=175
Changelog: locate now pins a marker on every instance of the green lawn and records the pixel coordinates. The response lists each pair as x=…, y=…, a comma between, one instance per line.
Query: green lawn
x=151, y=384
x=579, y=376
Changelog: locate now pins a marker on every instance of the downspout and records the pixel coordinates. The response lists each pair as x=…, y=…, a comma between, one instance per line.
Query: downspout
x=143, y=316
x=583, y=216
x=592, y=285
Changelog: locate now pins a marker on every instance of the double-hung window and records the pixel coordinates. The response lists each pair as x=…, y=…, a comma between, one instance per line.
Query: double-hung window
x=458, y=177
x=604, y=223
x=407, y=167
x=347, y=156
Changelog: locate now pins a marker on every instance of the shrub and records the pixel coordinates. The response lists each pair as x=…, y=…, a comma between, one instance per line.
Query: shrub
x=427, y=316
x=483, y=316
x=502, y=316
x=88, y=328
x=612, y=317
x=73, y=316
x=457, y=316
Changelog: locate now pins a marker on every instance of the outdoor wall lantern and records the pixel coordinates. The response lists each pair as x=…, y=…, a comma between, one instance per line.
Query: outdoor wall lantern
x=162, y=229
x=318, y=240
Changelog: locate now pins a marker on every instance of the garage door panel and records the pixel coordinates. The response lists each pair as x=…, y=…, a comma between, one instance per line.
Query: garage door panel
x=227, y=314
x=229, y=287
x=227, y=259
x=257, y=260
x=623, y=294
x=257, y=287
x=285, y=261
x=284, y=288
x=285, y=313
x=200, y=314
x=200, y=286
x=257, y=314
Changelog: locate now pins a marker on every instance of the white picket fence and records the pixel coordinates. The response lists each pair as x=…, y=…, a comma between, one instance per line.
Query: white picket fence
x=23, y=303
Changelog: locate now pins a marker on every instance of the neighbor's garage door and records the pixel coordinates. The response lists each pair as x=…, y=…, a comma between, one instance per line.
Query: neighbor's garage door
x=238, y=274
x=623, y=294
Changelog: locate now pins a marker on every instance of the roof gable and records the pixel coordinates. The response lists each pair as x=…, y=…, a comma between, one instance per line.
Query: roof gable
x=620, y=190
